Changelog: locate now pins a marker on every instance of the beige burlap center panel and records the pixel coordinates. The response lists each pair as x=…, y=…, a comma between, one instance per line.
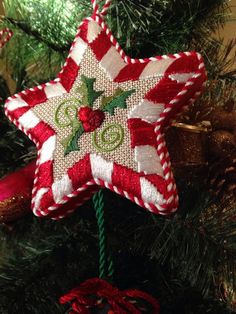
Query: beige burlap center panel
x=124, y=154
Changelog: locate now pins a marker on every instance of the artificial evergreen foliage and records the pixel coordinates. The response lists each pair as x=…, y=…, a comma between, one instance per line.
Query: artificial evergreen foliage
x=178, y=259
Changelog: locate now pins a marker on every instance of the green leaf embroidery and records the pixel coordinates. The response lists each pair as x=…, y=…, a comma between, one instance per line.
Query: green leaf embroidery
x=87, y=91
x=118, y=100
x=70, y=143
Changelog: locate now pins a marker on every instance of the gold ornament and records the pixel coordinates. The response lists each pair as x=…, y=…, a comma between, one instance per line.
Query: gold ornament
x=186, y=144
x=14, y=208
x=227, y=293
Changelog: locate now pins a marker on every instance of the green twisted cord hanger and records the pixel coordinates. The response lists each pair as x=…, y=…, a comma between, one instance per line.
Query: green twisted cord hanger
x=106, y=269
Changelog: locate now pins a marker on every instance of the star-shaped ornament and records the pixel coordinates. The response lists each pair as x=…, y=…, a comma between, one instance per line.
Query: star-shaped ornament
x=100, y=123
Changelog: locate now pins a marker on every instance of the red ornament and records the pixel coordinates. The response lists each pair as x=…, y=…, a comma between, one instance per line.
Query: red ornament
x=91, y=119
x=97, y=294
x=15, y=193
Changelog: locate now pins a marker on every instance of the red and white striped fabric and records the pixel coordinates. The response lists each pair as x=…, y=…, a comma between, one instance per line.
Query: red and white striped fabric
x=5, y=35
x=179, y=80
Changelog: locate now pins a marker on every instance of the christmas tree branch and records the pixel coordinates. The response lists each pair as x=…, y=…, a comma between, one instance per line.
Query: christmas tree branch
x=26, y=28
x=196, y=245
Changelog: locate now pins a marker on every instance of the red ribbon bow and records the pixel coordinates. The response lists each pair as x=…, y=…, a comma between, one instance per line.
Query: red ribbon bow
x=95, y=292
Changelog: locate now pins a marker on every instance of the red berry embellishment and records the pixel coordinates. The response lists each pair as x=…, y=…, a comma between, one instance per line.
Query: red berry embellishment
x=91, y=119
x=83, y=113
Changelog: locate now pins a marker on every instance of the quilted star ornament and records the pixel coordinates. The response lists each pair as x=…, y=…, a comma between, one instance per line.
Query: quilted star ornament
x=101, y=122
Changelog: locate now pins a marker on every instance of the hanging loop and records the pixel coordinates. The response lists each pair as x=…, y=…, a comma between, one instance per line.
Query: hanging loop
x=106, y=270
x=104, y=9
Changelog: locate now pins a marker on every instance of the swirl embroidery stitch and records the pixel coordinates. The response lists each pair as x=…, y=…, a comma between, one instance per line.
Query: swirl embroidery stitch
x=110, y=138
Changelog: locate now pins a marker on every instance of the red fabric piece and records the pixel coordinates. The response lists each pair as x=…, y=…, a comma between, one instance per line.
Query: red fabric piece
x=18, y=183
x=45, y=177
x=183, y=64
x=131, y=72
x=42, y=131
x=164, y=91
x=18, y=113
x=35, y=97
x=69, y=74
x=83, y=31
x=126, y=179
x=89, y=294
x=46, y=201
x=141, y=132
x=81, y=172
x=101, y=45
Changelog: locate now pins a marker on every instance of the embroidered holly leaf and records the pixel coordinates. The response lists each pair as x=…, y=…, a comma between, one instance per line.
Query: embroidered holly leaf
x=118, y=100
x=70, y=143
x=87, y=91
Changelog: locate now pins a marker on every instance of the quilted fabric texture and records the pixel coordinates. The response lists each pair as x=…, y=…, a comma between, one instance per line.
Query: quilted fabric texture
x=101, y=123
